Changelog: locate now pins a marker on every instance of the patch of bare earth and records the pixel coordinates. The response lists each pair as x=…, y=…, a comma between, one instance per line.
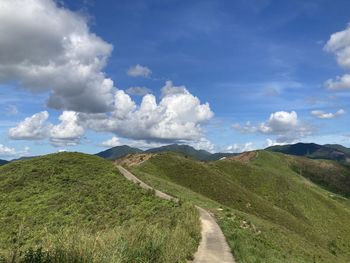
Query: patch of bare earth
x=245, y=157
x=134, y=159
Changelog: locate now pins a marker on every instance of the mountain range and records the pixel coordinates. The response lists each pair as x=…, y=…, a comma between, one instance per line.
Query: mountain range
x=2, y=162
x=334, y=152
x=200, y=155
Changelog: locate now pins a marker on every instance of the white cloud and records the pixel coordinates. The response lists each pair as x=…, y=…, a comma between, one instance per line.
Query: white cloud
x=11, y=152
x=327, y=115
x=285, y=125
x=177, y=116
x=6, y=151
x=113, y=142
x=68, y=132
x=138, y=91
x=339, y=45
x=203, y=144
x=47, y=48
x=31, y=128
x=238, y=148
x=139, y=71
x=340, y=83
x=270, y=142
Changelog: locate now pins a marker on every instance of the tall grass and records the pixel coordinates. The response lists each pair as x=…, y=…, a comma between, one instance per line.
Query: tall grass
x=76, y=208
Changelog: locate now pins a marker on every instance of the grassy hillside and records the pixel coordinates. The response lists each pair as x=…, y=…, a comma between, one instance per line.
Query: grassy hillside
x=268, y=212
x=72, y=207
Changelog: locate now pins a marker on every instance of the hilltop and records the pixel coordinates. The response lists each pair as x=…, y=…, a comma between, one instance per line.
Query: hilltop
x=73, y=207
x=268, y=210
x=315, y=151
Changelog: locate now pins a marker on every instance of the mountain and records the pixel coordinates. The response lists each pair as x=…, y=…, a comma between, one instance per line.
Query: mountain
x=183, y=149
x=118, y=152
x=314, y=151
x=268, y=209
x=3, y=162
x=73, y=207
x=200, y=155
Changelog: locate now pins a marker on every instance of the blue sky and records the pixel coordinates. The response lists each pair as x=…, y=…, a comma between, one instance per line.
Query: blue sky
x=262, y=66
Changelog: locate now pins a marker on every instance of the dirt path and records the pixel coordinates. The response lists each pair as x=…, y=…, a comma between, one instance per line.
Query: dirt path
x=213, y=247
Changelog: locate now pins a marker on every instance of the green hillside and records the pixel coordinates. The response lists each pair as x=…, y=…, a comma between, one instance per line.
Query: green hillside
x=72, y=207
x=267, y=210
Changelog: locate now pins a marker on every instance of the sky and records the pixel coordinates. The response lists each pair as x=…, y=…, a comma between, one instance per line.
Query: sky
x=230, y=76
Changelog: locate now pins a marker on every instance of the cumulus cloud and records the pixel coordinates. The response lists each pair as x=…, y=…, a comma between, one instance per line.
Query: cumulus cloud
x=31, y=128
x=11, y=152
x=139, y=71
x=68, y=132
x=138, y=91
x=327, y=115
x=6, y=151
x=285, y=125
x=113, y=142
x=36, y=127
x=55, y=52
x=339, y=45
x=238, y=148
x=203, y=144
x=271, y=142
x=177, y=116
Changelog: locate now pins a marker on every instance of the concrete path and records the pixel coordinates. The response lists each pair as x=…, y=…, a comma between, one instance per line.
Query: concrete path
x=213, y=247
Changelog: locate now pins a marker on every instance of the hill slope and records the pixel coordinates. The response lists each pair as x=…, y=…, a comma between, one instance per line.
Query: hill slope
x=315, y=151
x=78, y=208
x=118, y=152
x=268, y=212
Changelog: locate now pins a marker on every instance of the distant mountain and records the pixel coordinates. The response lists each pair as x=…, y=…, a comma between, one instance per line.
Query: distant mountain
x=118, y=152
x=315, y=151
x=201, y=155
x=2, y=162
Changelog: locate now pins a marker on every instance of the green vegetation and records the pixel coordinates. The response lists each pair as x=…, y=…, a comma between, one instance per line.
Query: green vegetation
x=266, y=209
x=72, y=207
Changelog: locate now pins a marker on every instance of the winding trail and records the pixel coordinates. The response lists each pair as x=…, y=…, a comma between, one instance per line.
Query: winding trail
x=213, y=247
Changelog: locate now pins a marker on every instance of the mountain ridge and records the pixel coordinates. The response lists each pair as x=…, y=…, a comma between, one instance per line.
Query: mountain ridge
x=187, y=150
x=335, y=152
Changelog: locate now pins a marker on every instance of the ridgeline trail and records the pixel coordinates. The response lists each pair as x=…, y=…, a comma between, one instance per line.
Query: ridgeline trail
x=213, y=247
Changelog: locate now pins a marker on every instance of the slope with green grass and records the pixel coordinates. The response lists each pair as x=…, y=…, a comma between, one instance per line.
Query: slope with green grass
x=267, y=210
x=72, y=207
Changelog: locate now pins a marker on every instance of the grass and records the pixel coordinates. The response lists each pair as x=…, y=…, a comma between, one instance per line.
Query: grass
x=267, y=211
x=72, y=207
